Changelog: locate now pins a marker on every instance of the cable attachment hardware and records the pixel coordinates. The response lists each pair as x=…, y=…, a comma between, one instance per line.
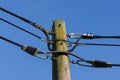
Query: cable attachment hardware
x=100, y=64
x=35, y=52
x=42, y=28
x=73, y=35
x=82, y=36
x=87, y=36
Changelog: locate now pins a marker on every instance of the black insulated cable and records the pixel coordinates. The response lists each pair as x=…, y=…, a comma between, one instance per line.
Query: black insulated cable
x=27, y=21
x=116, y=65
x=43, y=39
x=100, y=64
x=92, y=36
x=91, y=44
x=45, y=31
x=96, y=36
x=10, y=41
x=30, y=50
x=16, y=15
x=95, y=44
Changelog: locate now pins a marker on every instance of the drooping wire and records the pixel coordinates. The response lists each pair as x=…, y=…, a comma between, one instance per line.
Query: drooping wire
x=26, y=20
x=72, y=61
x=34, y=51
x=45, y=31
x=89, y=63
x=41, y=38
x=10, y=41
x=70, y=53
x=30, y=50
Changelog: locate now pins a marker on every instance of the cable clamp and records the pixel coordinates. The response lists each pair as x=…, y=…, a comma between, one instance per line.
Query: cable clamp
x=99, y=64
x=35, y=52
x=73, y=35
x=87, y=36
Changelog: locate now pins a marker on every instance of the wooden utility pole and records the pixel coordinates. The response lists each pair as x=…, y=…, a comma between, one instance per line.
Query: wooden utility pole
x=60, y=65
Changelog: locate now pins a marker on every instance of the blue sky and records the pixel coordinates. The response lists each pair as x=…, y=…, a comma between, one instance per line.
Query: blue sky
x=100, y=17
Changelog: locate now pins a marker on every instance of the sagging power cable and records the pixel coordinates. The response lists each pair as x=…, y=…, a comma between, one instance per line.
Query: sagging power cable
x=10, y=41
x=35, y=52
x=87, y=63
x=41, y=38
x=27, y=21
x=44, y=30
x=30, y=50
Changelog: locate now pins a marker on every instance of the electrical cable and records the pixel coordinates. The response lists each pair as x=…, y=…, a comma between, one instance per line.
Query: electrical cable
x=26, y=20
x=96, y=36
x=115, y=64
x=34, y=51
x=30, y=50
x=41, y=38
x=94, y=63
x=12, y=42
x=69, y=53
x=94, y=44
x=45, y=31
x=89, y=36
x=83, y=44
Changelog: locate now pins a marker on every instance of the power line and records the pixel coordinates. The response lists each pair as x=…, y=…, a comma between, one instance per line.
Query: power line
x=90, y=36
x=10, y=41
x=30, y=50
x=45, y=31
x=35, y=51
x=83, y=44
x=95, y=44
x=26, y=20
x=41, y=38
